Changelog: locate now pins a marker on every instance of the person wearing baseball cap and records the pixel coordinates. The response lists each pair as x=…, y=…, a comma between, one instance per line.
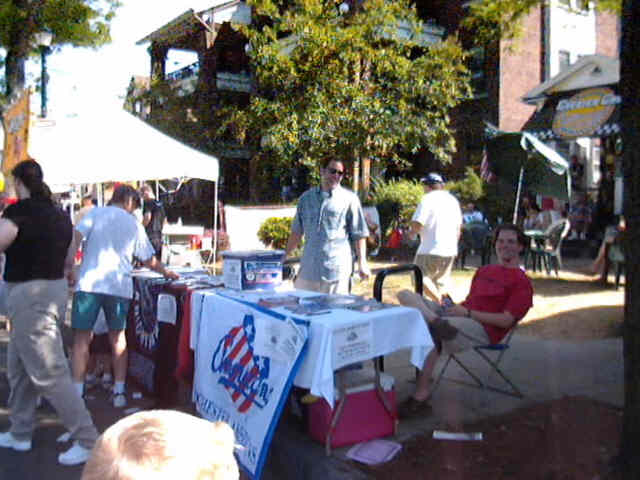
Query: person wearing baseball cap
x=438, y=220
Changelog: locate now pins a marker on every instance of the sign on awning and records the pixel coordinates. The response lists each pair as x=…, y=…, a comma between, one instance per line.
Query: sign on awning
x=592, y=112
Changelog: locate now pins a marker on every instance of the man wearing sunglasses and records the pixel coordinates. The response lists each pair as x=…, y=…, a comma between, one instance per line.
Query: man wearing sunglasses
x=331, y=220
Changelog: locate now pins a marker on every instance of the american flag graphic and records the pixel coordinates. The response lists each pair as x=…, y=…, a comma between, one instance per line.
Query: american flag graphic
x=245, y=371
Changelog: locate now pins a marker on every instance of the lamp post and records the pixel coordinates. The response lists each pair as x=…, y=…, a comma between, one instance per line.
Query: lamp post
x=43, y=40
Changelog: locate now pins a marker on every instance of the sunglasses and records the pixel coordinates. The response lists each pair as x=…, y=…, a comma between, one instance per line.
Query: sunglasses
x=333, y=171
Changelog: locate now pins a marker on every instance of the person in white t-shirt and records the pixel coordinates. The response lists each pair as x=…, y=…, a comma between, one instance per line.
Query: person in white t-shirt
x=112, y=238
x=438, y=220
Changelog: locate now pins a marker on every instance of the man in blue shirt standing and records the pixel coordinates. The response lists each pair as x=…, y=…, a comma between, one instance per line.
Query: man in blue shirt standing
x=331, y=220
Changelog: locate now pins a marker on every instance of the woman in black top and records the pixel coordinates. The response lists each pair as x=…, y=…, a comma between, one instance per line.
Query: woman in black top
x=36, y=235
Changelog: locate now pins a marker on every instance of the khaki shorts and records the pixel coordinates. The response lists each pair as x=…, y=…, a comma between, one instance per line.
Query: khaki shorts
x=340, y=286
x=435, y=268
x=469, y=331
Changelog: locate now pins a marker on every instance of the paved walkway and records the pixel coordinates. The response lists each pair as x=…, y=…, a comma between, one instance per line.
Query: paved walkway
x=544, y=370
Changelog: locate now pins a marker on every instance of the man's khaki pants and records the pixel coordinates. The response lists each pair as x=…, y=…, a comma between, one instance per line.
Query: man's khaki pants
x=36, y=362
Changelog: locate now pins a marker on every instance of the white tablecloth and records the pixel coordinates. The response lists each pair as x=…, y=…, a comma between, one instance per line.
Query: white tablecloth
x=382, y=332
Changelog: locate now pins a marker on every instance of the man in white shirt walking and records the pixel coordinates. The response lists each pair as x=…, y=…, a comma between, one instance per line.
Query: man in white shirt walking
x=438, y=220
x=112, y=238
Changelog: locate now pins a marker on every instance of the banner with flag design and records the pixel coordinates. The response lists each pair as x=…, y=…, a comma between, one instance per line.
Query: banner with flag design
x=245, y=361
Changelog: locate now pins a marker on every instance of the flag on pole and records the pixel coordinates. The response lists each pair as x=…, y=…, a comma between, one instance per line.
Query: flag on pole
x=485, y=169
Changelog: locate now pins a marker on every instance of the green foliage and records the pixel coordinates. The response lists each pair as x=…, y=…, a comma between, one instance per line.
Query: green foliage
x=396, y=200
x=497, y=202
x=81, y=23
x=469, y=189
x=275, y=231
x=350, y=86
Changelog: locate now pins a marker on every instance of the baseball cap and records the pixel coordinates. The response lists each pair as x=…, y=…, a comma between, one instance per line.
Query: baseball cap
x=432, y=179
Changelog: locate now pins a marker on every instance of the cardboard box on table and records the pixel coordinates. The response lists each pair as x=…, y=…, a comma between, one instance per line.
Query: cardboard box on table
x=363, y=416
x=252, y=270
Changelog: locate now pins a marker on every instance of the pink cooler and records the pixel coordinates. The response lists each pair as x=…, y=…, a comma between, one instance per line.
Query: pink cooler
x=363, y=416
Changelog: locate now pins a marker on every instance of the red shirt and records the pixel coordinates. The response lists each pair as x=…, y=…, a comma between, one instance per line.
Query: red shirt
x=498, y=289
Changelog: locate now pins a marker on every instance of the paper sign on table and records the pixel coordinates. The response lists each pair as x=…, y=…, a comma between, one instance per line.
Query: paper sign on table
x=277, y=339
x=167, y=309
x=352, y=344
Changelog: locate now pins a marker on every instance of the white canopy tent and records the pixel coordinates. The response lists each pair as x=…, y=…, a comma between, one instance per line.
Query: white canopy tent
x=115, y=146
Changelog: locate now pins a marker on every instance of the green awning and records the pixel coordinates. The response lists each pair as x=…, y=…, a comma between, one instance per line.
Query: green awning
x=545, y=171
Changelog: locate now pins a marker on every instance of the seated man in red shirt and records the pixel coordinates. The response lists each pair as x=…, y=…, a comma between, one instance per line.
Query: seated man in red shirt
x=500, y=295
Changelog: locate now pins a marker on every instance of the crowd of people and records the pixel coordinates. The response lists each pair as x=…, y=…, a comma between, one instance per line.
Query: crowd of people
x=43, y=265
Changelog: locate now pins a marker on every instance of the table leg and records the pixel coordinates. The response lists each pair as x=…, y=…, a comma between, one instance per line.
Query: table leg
x=338, y=411
x=385, y=402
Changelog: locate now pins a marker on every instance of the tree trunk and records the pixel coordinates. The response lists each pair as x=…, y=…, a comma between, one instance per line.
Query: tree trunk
x=629, y=89
x=20, y=34
x=14, y=72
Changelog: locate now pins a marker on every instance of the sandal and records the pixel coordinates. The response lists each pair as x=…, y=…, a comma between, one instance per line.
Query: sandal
x=412, y=408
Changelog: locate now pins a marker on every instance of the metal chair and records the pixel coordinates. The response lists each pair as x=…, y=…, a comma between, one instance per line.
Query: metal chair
x=379, y=281
x=483, y=350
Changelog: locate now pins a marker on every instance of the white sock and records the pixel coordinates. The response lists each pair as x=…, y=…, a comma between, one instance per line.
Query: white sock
x=79, y=387
x=118, y=387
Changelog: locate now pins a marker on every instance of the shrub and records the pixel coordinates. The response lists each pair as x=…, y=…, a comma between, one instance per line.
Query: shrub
x=275, y=231
x=469, y=189
x=396, y=200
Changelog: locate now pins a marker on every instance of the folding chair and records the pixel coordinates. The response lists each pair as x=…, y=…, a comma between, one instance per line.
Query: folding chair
x=484, y=351
x=379, y=281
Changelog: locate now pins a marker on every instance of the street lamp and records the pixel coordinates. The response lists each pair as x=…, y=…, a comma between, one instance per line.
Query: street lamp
x=43, y=40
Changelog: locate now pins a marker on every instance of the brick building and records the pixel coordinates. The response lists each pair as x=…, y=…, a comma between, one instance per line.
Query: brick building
x=554, y=36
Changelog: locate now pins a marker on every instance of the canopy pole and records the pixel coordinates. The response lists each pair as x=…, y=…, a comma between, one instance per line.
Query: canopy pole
x=515, y=208
x=215, y=225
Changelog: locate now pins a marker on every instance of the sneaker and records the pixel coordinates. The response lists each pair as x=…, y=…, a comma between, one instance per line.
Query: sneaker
x=90, y=381
x=107, y=383
x=76, y=455
x=7, y=440
x=119, y=400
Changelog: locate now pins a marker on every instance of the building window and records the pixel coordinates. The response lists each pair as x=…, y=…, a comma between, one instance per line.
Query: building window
x=564, y=60
x=478, y=72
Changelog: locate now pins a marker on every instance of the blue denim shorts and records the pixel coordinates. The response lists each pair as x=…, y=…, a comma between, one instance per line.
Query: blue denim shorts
x=86, y=306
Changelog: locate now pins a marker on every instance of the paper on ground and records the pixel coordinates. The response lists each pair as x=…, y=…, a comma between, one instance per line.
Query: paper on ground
x=442, y=435
x=374, y=452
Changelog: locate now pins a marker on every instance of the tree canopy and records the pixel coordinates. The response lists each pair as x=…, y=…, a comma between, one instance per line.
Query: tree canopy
x=356, y=83
x=82, y=23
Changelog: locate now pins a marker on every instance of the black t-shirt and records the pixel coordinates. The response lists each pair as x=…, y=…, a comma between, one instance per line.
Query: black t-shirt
x=154, y=227
x=40, y=249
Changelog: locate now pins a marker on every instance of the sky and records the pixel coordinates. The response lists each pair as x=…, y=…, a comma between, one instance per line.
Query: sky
x=82, y=78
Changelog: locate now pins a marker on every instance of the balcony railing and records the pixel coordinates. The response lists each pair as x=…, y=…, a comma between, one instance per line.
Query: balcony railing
x=186, y=78
x=185, y=72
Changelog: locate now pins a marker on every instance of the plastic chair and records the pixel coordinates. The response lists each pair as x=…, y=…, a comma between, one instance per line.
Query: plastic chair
x=484, y=351
x=473, y=238
x=548, y=254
